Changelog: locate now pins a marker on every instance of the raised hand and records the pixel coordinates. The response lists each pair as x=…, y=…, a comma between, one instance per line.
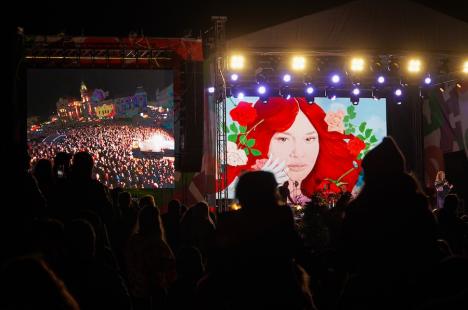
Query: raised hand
x=278, y=169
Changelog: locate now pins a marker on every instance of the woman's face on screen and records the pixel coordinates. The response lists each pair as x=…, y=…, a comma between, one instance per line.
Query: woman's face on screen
x=298, y=147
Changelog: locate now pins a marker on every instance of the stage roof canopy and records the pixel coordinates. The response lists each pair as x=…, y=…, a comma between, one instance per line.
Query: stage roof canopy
x=364, y=26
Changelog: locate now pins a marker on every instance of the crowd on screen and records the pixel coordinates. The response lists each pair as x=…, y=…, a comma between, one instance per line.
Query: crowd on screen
x=111, y=147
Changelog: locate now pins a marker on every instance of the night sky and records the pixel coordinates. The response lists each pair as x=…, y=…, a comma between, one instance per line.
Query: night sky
x=180, y=18
x=46, y=86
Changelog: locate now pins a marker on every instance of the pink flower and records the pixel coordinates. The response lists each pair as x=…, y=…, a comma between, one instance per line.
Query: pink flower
x=235, y=156
x=334, y=121
x=259, y=163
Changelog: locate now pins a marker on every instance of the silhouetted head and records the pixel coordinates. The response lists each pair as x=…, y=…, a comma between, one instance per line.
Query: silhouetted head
x=62, y=162
x=385, y=159
x=125, y=200
x=173, y=207
x=43, y=171
x=149, y=221
x=200, y=210
x=257, y=189
x=83, y=164
x=145, y=201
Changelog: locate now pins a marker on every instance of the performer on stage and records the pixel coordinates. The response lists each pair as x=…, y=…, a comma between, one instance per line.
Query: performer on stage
x=442, y=187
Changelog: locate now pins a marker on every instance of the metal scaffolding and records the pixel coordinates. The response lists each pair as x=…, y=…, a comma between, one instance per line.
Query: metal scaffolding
x=220, y=102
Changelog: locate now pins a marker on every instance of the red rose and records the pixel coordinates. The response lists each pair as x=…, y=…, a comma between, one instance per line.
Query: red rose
x=324, y=185
x=328, y=187
x=334, y=188
x=244, y=113
x=355, y=146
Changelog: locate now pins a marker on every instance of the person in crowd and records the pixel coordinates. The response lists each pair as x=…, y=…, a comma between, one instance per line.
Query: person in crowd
x=442, y=187
x=255, y=263
x=388, y=233
x=95, y=284
x=151, y=264
x=171, y=221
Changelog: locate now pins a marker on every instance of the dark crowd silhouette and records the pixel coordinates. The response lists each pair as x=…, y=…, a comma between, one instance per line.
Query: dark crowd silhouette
x=71, y=242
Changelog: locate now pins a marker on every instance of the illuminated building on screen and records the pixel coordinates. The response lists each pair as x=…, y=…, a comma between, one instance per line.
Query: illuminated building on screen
x=96, y=104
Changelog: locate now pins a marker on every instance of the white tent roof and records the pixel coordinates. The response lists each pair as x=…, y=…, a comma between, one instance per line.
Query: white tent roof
x=362, y=25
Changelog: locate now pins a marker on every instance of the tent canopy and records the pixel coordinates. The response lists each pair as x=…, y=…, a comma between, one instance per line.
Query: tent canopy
x=398, y=26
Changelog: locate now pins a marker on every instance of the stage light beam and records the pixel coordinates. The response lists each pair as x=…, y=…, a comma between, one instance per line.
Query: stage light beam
x=357, y=64
x=237, y=62
x=335, y=78
x=298, y=63
x=414, y=66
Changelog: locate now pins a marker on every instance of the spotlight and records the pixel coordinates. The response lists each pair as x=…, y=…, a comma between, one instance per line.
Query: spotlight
x=357, y=64
x=234, y=77
x=398, y=95
x=465, y=67
x=261, y=90
x=354, y=97
x=442, y=90
x=309, y=91
x=240, y=95
x=427, y=80
x=211, y=90
x=381, y=79
x=414, y=66
x=459, y=85
x=237, y=62
x=335, y=78
x=287, y=78
x=298, y=63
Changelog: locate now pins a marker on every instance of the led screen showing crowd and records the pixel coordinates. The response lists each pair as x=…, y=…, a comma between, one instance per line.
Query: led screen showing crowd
x=124, y=118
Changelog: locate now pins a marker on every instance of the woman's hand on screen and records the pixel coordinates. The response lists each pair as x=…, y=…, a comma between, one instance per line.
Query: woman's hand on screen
x=278, y=169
